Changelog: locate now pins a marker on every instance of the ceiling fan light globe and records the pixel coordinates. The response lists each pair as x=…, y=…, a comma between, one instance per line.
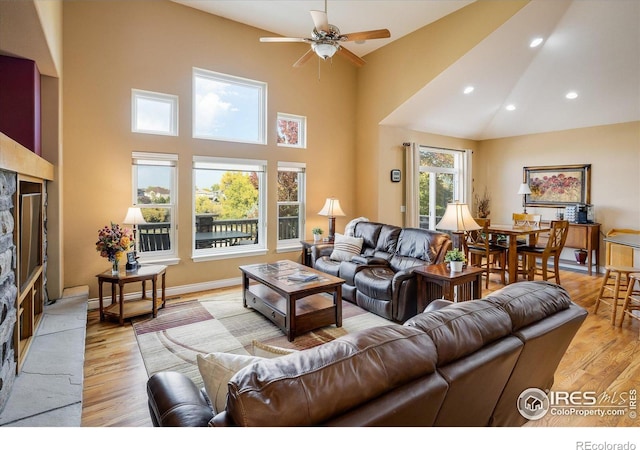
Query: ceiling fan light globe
x=324, y=50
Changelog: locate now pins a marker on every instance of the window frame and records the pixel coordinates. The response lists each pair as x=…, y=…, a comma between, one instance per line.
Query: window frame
x=220, y=163
x=172, y=100
x=168, y=160
x=230, y=79
x=302, y=129
x=293, y=244
x=458, y=173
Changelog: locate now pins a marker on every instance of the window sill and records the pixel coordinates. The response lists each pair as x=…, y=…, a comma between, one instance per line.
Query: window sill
x=167, y=261
x=289, y=248
x=219, y=256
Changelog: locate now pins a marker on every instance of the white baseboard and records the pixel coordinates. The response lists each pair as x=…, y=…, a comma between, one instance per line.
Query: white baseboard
x=94, y=303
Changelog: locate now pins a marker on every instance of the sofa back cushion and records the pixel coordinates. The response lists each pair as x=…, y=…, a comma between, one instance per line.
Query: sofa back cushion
x=387, y=241
x=312, y=386
x=369, y=232
x=463, y=328
x=417, y=246
x=530, y=301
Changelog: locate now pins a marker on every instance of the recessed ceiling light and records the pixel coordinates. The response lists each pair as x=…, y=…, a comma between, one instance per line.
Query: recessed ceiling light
x=468, y=89
x=535, y=42
x=571, y=95
x=510, y=107
x=360, y=42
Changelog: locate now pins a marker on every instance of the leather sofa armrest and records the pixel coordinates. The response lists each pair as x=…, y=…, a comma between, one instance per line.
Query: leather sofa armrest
x=320, y=250
x=175, y=401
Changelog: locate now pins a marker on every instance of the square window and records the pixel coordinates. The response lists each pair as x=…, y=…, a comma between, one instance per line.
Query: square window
x=154, y=113
x=228, y=108
x=291, y=131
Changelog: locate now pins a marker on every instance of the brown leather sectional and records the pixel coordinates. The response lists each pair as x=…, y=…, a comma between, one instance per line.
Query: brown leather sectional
x=381, y=278
x=456, y=364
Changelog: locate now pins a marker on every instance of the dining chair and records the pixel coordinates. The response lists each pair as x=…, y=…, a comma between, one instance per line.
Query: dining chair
x=552, y=249
x=481, y=252
x=525, y=220
x=618, y=269
x=631, y=304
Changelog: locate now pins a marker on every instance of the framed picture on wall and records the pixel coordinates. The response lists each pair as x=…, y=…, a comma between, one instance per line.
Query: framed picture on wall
x=555, y=186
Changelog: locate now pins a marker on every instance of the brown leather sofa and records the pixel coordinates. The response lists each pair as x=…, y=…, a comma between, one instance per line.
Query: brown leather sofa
x=381, y=278
x=456, y=364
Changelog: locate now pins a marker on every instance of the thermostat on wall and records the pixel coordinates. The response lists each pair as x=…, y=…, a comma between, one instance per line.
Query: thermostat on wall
x=395, y=175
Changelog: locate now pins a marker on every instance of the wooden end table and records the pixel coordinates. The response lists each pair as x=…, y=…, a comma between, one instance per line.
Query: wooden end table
x=131, y=308
x=437, y=281
x=295, y=307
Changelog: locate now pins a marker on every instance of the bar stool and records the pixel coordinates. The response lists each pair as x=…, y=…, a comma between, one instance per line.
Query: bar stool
x=632, y=299
x=617, y=274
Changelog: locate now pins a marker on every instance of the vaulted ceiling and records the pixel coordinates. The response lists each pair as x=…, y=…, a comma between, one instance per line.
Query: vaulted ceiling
x=590, y=47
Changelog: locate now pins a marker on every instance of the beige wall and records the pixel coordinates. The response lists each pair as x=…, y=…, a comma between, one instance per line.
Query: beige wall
x=613, y=152
x=112, y=47
x=399, y=70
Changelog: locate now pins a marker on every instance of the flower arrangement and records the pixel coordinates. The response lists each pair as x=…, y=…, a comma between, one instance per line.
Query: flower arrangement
x=316, y=231
x=113, y=241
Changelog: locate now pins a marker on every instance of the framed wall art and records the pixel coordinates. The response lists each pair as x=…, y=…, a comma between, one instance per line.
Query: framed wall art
x=555, y=186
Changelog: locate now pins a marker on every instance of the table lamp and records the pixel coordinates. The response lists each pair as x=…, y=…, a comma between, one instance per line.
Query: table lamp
x=457, y=219
x=133, y=217
x=332, y=209
x=524, y=190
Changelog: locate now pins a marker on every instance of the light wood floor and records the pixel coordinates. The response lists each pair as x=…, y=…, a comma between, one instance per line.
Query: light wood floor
x=601, y=358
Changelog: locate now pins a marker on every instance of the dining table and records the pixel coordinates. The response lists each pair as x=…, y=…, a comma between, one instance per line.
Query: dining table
x=511, y=232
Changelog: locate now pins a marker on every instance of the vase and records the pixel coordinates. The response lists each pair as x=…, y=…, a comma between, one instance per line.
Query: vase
x=115, y=265
x=581, y=256
x=456, y=266
x=316, y=238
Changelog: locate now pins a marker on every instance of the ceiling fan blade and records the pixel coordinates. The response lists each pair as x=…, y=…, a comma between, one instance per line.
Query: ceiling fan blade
x=304, y=58
x=366, y=35
x=355, y=59
x=284, y=39
x=320, y=20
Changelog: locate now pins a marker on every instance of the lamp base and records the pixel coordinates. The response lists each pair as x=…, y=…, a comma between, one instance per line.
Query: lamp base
x=332, y=229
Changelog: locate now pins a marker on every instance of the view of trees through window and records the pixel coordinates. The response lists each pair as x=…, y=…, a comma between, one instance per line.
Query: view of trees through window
x=436, y=185
x=235, y=196
x=289, y=203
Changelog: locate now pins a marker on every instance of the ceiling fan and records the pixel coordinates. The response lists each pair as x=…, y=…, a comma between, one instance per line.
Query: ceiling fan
x=326, y=38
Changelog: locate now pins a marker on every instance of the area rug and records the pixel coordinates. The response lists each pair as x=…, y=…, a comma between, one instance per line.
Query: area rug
x=219, y=323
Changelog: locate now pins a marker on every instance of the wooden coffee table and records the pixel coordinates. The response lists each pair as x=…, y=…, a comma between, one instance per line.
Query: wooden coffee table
x=294, y=306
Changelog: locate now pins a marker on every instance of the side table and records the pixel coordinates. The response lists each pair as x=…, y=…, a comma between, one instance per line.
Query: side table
x=131, y=308
x=437, y=281
x=305, y=258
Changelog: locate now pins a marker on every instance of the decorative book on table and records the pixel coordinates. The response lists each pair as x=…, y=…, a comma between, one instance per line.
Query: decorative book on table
x=302, y=276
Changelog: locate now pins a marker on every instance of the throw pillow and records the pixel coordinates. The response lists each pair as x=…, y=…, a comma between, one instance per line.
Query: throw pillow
x=269, y=351
x=346, y=247
x=216, y=370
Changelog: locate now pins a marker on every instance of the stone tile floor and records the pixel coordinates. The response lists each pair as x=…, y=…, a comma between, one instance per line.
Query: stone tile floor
x=48, y=390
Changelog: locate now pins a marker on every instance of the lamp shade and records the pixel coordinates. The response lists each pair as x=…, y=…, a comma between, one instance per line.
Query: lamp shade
x=457, y=217
x=331, y=208
x=524, y=189
x=134, y=217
